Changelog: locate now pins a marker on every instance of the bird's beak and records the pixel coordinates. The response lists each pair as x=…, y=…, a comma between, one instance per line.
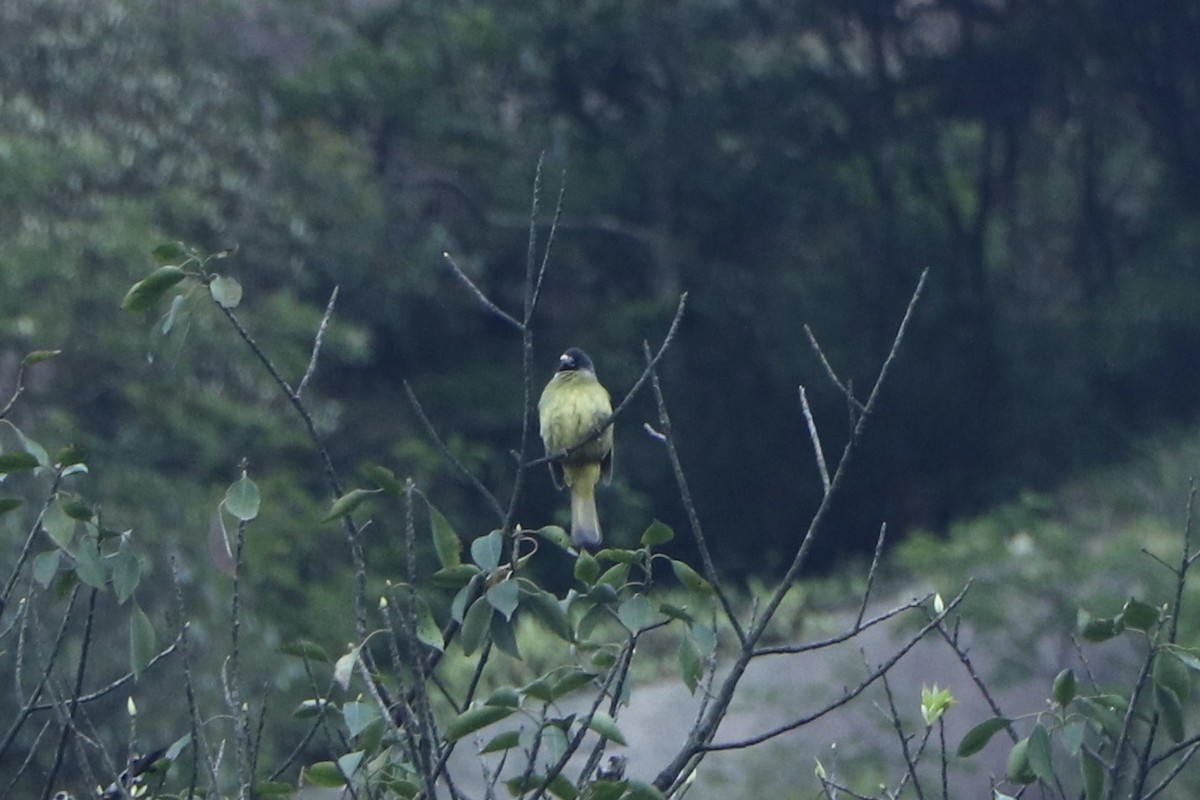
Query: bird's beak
x=564, y=359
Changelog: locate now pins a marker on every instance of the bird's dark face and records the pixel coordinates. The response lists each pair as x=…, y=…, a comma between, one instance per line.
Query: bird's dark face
x=575, y=359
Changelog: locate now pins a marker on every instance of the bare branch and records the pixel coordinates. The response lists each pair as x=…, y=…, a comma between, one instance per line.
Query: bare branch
x=685, y=494
x=862, y=609
x=859, y=627
x=873, y=676
x=449, y=456
x=479, y=295
x=815, y=438
x=845, y=390
x=318, y=340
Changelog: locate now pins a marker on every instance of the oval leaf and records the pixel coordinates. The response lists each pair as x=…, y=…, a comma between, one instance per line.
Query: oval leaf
x=658, y=533
x=126, y=571
x=1038, y=752
x=226, y=291
x=145, y=293
x=606, y=726
x=88, y=566
x=324, y=775
x=17, y=461
x=1065, y=687
x=979, y=736
x=242, y=499
x=689, y=577
x=486, y=551
x=445, y=541
x=348, y=502
x=38, y=356
x=504, y=597
x=475, y=625
x=141, y=641
x=474, y=719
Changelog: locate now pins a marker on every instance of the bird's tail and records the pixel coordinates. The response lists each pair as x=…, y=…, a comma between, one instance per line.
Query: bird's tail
x=585, y=522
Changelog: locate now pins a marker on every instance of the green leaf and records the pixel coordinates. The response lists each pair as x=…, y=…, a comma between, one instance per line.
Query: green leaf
x=1065, y=687
x=505, y=696
x=324, y=775
x=504, y=636
x=637, y=613
x=170, y=253
x=38, y=356
x=242, y=499
x=9, y=504
x=586, y=569
x=501, y=742
x=1071, y=735
x=454, y=577
x=978, y=737
x=1140, y=616
x=475, y=625
x=1094, y=774
x=1040, y=757
x=546, y=610
x=539, y=689
x=606, y=726
x=88, y=565
x=689, y=577
x=1018, y=769
x=474, y=719
x=1093, y=629
x=555, y=535
x=1187, y=657
x=568, y=683
x=428, y=631
x=385, y=479
x=144, y=294
x=637, y=790
x=126, y=571
x=615, y=576
x=306, y=649
x=45, y=567
x=619, y=555
x=343, y=668
x=935, y=702
x=226, y=291
x=658, y=533
x=504, y=597
x=1173, y=674
x=348, y=502
x=142, y=646
x=17, y=461
x=445, y=540
x=1170, y=711
x=486, y=550
x=70, y=456
x=77, y=509
x=691, y=666
x=311, y=708
x=358, y=716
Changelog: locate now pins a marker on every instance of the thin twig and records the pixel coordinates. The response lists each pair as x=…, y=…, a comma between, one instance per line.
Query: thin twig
x=845, y=389
x=444, y=449
x=871, y=678
x=815, y=439
x=479, y=295
x=859, y=627
x=318, y=340
x=700, y=737
x=685, y=494
x=862, y=609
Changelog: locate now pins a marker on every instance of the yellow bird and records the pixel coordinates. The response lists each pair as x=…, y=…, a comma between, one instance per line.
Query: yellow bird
x=571, y=407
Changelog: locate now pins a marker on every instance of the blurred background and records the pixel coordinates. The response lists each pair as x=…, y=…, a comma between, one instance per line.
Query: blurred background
x=786, y=163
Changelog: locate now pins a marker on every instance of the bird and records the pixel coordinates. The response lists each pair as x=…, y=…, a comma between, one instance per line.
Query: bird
x=572, y=407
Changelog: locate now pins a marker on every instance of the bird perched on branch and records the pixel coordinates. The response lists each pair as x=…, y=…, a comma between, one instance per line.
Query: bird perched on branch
x=571, y=410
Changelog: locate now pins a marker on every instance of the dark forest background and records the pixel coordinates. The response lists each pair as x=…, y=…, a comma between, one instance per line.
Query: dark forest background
x=786, y=163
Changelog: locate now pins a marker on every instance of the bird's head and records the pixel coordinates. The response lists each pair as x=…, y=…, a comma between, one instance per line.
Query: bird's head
x=573, y=360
